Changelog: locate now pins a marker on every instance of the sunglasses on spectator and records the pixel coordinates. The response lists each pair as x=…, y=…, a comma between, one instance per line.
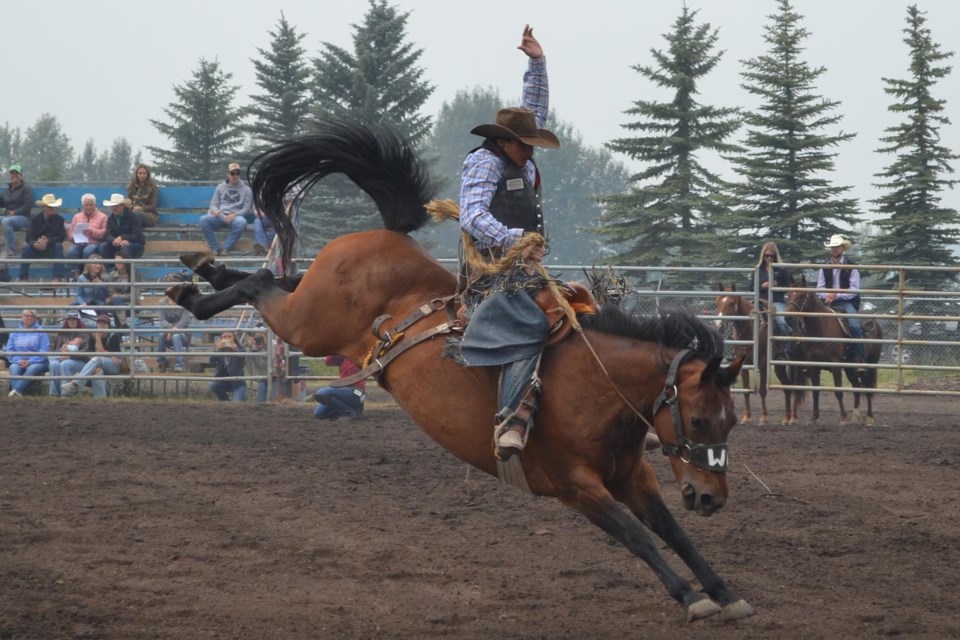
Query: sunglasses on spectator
x=235, y=173
x=769, y=255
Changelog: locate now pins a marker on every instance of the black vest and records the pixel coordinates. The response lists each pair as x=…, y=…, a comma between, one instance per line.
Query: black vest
x=844, y=281
x=516, y=203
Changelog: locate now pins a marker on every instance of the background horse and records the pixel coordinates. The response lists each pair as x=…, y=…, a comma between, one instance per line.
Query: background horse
x=834, y=352
x=600, y=391
x=737, y=305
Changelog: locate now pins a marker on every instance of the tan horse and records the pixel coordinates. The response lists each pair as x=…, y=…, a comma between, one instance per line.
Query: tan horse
x=732, y=305
x=600, y=389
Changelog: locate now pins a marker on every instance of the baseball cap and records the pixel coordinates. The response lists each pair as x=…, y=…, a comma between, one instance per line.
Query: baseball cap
x=234, y=166
x=16, y=167
x=73, y=314
x=103, y=318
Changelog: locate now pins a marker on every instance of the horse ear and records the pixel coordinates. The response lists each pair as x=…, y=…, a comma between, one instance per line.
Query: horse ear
x=733, y=287
x=722, y=377
x=803, y=280
x=720, y=287
x=706, y=376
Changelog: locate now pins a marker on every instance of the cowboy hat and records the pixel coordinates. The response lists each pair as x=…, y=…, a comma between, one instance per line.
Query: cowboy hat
x=516, y=123
x=117, y=198
x=49, y=200
x=837, y=240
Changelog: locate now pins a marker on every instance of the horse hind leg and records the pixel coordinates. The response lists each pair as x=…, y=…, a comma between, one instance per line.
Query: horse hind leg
x=745, y=383
x=204, y=306
x=218, y=275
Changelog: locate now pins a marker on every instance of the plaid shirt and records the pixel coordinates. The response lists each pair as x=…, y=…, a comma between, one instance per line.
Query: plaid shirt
x=482, y=169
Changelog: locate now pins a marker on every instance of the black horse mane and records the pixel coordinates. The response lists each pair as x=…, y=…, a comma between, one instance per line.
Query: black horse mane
x=673, y=328
x=375, y=157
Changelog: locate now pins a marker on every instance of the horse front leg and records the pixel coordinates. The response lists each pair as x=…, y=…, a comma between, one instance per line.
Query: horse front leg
x=204, y=306
x=815, y=381
x=838, y=382
x=762, y=392
x=745, y=383
x=641, y=494
x=592, y=500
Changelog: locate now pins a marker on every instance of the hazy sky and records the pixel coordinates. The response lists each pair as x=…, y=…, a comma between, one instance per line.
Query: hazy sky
x=104, y=68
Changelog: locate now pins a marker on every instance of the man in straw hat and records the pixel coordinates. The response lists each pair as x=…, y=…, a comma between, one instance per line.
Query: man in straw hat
x=16, y=202
x=124, y=235
x=500, y=210
x=848, y=301
x=45, y=237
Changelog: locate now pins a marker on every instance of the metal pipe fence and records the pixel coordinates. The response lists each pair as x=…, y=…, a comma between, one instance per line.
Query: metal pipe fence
x=921, y=328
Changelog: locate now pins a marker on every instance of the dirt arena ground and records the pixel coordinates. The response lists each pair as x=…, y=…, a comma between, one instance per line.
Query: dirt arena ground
x=129, y=520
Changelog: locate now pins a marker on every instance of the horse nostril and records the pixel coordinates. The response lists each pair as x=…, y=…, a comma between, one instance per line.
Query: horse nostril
x=709, y=505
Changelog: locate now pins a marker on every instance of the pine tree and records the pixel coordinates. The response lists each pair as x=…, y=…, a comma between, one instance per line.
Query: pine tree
x=206, y=128
x=379, y=82
x=283, y=74
x=669, y=215
x=916, y=229
x=784, y=194
x=46, y=151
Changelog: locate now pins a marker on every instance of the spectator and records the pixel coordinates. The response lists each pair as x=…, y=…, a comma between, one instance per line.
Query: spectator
x=124, y=234
x=232, y=202
x=769, y=255
x=16, y=202
x=89, y=294
x=174, y=320
x=99, y=365
x=848, y=300
x=144, y=194
x=66, y=358
x=26, y=341
x=45, y=237
x=263, y=231
x=86, y=232
x=227, y=367
x=118, y=293
x=340, y=402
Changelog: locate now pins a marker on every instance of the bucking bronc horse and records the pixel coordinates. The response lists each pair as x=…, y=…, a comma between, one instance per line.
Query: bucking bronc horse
x=602, y=388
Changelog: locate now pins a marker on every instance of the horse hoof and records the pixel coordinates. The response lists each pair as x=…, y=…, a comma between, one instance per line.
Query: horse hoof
x=196, y=260
x=868, y=422
x=178, y=291
x=744, y=420
x=762, y=421
x=736, y=611
x=702, y=609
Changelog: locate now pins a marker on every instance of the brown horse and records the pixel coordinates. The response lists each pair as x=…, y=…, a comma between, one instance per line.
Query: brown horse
x=601, y=388
x=732, y=305
x=813, y=326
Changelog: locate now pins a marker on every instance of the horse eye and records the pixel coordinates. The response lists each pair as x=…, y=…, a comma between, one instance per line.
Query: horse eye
x=699, y=423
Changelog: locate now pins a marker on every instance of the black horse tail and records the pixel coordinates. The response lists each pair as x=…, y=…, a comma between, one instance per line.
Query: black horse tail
x=375, y=157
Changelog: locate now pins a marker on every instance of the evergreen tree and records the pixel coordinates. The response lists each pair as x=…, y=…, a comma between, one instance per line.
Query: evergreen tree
x=119, y=166
x=915, y=228
x=379, y=82
x=86, y=168
x=283, y=75
x=671, y=211
x=10, y=141
x=205, y=129
x=785, y=194
x=46, y=151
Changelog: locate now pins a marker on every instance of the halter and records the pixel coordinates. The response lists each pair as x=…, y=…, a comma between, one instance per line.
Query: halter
x=709, y=457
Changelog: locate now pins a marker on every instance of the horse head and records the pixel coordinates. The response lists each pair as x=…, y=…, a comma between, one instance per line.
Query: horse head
x=693, y=418
x=799, y=300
